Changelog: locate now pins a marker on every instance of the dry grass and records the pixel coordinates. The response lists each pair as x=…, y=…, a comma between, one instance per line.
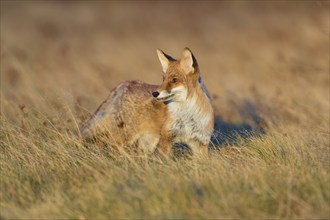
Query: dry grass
x=267, y=65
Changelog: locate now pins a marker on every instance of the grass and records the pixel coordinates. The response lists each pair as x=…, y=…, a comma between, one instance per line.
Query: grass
x=51, y=174
x=270, y=90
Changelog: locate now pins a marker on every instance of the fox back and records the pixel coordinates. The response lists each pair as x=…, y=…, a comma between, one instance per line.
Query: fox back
x=156, y=117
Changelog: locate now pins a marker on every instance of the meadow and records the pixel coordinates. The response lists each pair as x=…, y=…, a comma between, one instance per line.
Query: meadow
x=266, y=65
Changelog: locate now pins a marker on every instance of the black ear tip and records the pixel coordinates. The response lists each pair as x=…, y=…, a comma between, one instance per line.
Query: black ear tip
x=187, y=48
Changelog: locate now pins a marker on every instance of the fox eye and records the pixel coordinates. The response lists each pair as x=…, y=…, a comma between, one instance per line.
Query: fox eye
x=174, y=80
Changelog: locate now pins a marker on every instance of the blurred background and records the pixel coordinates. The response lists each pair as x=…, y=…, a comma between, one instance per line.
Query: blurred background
x=265, y=58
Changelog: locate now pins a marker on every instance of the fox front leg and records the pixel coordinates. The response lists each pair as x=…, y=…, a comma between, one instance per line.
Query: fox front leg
x=199, y=149
x=164, y=146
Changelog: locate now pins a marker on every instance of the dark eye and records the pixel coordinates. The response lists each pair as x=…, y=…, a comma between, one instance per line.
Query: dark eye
x=174, y=80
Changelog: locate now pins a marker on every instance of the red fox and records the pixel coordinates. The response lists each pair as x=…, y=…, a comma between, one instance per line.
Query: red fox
x=156, y=117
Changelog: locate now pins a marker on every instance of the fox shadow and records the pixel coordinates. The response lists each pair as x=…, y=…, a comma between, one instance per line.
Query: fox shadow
x=228, y=133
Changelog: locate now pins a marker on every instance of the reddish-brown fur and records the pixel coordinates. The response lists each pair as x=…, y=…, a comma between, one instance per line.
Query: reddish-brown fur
x=131, y=115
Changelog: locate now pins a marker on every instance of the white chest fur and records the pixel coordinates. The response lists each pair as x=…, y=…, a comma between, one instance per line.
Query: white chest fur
x=190, y=121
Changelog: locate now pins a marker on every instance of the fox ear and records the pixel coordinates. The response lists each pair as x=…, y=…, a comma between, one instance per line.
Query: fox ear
x=188, y=61
x=164, y=59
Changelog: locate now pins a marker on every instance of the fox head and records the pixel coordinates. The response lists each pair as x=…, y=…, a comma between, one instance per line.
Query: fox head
x=179, y=76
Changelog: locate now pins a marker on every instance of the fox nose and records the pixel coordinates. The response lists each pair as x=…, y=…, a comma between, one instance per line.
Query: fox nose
x=155, y=94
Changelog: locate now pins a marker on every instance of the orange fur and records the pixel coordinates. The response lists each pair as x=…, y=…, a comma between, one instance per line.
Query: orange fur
x=179, y=112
